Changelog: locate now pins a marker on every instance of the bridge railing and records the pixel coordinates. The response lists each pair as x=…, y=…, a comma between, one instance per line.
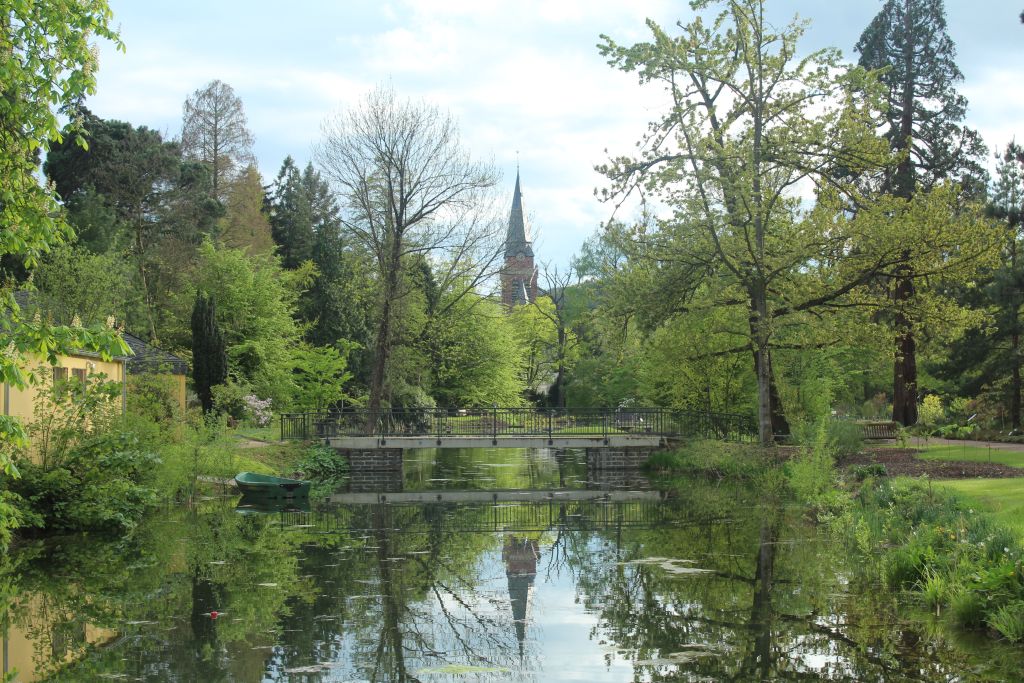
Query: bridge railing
x=505, y=422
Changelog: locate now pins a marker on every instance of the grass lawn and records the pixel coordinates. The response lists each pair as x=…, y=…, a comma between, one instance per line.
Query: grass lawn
x=272, y=432
x=1004, y=497
x=973, y=454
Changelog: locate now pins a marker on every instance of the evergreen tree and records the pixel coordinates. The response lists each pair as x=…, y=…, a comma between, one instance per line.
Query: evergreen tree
x=988, y=361
x=209, y=353
x=907, y=39
x=291, y=216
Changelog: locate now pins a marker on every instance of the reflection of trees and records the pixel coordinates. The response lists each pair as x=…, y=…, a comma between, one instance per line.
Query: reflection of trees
x=433, y=609
x=752, y=616
x=150, y=595
x=386, y=592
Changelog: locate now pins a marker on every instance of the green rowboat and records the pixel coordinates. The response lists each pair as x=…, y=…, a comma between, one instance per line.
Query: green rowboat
x=265, y=485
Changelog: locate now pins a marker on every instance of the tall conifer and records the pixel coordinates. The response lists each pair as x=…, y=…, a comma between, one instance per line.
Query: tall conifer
x=209, y=352
x=908, y=39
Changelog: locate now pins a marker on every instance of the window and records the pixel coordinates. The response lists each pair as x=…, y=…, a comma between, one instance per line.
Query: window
x=79, y=375
x=60, y=375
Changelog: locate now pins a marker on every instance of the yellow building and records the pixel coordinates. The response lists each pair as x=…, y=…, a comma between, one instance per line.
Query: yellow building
x=20, y=403
x=144, y=359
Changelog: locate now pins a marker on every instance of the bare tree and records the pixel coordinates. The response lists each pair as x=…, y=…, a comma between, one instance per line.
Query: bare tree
x=408, y=186
x=214, y=132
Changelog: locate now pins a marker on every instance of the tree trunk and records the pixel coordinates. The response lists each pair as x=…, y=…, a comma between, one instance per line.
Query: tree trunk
x=382, y=347
x=1015, y=383
x=904, y=378
x=761, y=611
x=904, y=386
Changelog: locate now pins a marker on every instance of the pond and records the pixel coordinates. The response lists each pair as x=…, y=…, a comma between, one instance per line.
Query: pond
x=522, y=566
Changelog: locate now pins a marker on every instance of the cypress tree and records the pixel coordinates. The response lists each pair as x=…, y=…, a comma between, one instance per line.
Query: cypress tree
x=908, y=39
x=209, y=352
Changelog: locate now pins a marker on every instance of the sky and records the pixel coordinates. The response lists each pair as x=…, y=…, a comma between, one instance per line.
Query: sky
x=524, y=79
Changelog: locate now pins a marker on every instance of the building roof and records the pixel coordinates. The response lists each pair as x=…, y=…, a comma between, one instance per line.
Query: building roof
x=147, y=358
x=517, y=241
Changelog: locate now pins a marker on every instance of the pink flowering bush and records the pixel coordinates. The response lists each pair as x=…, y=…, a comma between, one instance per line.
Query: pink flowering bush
x=259, y=409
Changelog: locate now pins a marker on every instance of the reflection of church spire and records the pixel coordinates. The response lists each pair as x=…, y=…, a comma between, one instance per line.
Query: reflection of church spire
x=520, y=558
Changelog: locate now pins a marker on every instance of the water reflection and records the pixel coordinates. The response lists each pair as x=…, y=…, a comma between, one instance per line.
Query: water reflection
x=710, y=583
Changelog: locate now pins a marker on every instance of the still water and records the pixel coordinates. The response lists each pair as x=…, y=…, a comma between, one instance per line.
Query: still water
x=521, y=566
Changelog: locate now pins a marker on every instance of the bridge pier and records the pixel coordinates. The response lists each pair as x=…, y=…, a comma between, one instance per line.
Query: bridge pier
x=373, y=459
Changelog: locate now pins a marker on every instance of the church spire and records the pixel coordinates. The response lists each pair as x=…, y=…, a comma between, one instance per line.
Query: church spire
x=517, y=241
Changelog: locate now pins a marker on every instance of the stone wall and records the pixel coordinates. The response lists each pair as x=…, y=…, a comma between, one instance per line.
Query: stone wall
x=617, y=458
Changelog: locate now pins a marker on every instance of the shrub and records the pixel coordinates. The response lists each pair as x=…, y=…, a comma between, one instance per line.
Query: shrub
x=323, y=463
x=153, y=397
x=845, y=437
x=258, y=410
x=968, y=608
x=904, y=567
x=930, y=411
x=874, y=470
x=811, y=471
x=1008, y=620
x=103, y=483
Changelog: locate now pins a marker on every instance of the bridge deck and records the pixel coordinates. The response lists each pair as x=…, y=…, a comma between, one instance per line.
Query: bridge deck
x=501, y=441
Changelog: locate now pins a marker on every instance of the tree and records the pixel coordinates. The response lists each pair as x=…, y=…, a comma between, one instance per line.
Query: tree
x=131, y=194
x=256, y=304
x=748, y=123
x=291, y=216
x=474, y=356
x=46, y=62
x=214, y=132
x=907, y=44
x=321, y=373
x=407, y=187
x=245, y=226
x=987, y=361
x=209, y=356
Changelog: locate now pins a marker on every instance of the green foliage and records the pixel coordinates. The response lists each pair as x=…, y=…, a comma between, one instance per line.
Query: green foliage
x=476, y=353
x=153, y=397
x=203, y=449
x=321, y=374
x=810, y=472
x=65, y=411
x=712, y=459
x=1008, y=620
x=968, y=609
x=938, y=549
x=326, y=467
x=844, y=437
x=229, y=399
x=102, y=483
x=862, y=472
x=931, y=412
x=256, y=302
x=47, y=63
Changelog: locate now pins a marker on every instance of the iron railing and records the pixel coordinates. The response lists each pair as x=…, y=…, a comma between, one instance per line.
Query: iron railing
x=507, y=422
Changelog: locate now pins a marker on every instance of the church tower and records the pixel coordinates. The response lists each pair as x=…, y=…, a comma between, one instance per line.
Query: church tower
x=519, y=276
